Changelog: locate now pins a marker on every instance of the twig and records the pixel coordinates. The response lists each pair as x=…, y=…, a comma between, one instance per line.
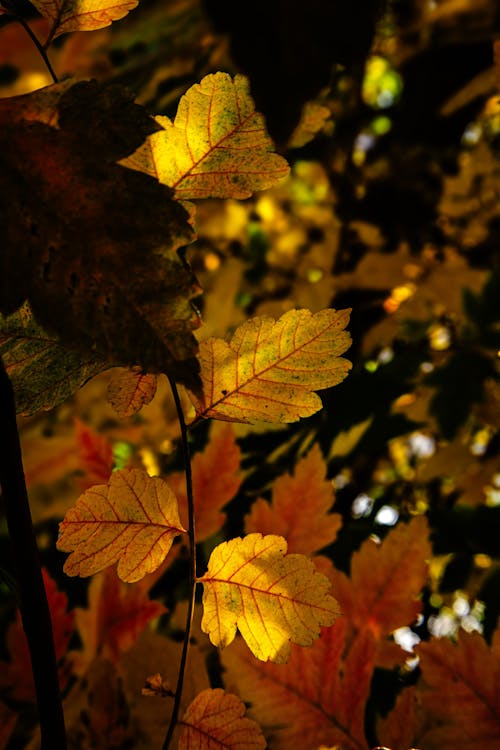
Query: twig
x=34, y=607
x=36, y=42
x=192, y=557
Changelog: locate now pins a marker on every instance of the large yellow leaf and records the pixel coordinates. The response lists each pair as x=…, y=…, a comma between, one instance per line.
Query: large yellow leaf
x=217, y=146
x=215, y=719
x=132, y=521
x=271, y=597
x=269, y=369
x=81, y=15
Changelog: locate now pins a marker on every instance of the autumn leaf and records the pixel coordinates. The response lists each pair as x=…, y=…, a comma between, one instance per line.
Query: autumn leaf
x=460, y=690
x=78, y=227
x=317, y=698
x=81, y=15
x=129, y=391
x=216, y=479
x=217, y=146
x=95, y=456
x=131, y=521
x=215, y=719
x=404, y=725
x=8, y=721
x=271, y=597
x=300, y=507
x=43, y=371
x=269, y=369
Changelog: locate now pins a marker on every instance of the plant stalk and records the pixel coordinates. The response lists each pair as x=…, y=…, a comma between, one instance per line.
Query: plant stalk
x=37, y=43
x=35, y=613
x=192, y=557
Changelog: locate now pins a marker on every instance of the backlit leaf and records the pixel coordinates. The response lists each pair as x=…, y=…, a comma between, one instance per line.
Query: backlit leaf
x=272, y=598
x=270, y=369
x=217, y=146
x=129, y=391
x=131, y=521
x=300, y=507
x=81, y=15
x=43, y=372
x=215, y=719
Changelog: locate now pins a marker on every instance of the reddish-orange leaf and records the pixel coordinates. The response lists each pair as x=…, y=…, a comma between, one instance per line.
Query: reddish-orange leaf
x=317, y=698
x=131, y=521
x=81, y=15
x=402, y=727
x=460, y=690
x=215, y=720
x=299, y=508
x=382, y=593
x=16, y=676
x=270, y=369
x=129, y=391
x=7, y=723
x=216, y=480
x=95, y=455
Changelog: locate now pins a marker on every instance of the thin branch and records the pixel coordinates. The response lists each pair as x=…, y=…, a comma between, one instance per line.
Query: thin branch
x=34, y=607
x=37, y=44
x=192, y=556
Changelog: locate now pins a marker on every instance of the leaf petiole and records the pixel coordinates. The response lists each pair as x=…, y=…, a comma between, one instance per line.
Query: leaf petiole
x=36, y=42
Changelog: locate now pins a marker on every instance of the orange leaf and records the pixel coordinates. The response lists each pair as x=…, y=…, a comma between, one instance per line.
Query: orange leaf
x=401, y=727
x=95, y=455
x=131, y=521
x=271, y=597
x=299, y=508
x=461, y=691
x=215, y=719
x=317, y=698
x=81, y=15
x=130, y=391
x=216, y=480
x=269, y=369
x=217, y=147
x=386, y=579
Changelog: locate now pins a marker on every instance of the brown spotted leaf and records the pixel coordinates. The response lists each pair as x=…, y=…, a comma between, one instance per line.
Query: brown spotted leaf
x=131, y=521
x=129, y=391
x=81, y=15
x=270, y=369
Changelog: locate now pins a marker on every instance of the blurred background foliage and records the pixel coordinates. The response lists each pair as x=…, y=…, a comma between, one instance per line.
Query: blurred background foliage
x=392, y=208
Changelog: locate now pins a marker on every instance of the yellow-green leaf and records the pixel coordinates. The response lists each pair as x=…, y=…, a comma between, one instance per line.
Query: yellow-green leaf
x=272, y=598
x=81, y=15
x=131, y=521
x=217, y=146
x=270, y=369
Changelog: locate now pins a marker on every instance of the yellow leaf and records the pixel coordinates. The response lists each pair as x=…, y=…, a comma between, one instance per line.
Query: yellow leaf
x=81, y=15
x=271, y=597
x=217, y=147
x=132, y=521
x=215, y=719
x=269, y=369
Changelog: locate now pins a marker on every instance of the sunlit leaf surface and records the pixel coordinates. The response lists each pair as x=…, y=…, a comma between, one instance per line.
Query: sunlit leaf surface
x=82, y=15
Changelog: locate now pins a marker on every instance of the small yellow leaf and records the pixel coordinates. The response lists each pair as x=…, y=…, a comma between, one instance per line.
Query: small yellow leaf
x=132, y=521
x=269, y=369
x=217, y=147
x=81, y=15
x=271, y=597
x=215, y=719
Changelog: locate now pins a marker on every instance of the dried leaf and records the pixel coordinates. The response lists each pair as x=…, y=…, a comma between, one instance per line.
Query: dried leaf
x=271, y=597
x=95, y=456
x=400, y=729
x=132, y=521
x=130, y=391
x=81, y=15
x=269, y=369
x=300, y=507
x=215, y=719
x=217, y=146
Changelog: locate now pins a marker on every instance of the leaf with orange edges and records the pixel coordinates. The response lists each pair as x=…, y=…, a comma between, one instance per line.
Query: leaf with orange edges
x=217, y=146
x=300, y=507
x=215, y=719
x=81, y=15
x=131, y=521
x=129, y=391
x=270, y=369
x=460, y=690
x=317, y=698
x=272, y=598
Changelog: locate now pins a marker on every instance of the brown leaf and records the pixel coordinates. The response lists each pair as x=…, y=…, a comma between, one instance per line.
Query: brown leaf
x=130, y=391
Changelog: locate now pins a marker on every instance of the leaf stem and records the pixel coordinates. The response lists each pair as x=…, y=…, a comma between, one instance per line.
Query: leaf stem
x=37, y=44
x=35, y=613
x=192, y=557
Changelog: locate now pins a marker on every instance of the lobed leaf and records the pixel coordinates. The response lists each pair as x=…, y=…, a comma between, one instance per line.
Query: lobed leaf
x=131, y=521
x=129, y=391
x=271, y=597
x=215, y=719
x=217, y=146
x=270, y=369
x=81, y=15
